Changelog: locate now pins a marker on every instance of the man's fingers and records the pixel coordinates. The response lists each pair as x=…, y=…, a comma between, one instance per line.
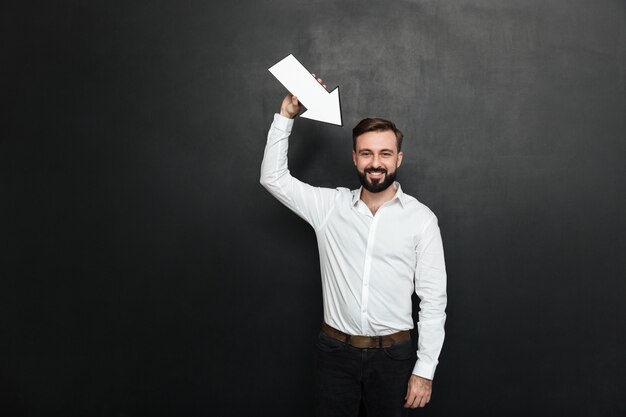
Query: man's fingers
x=319, y=80
x=410, y=397
x=412, y=402
x=407, y=396
x=423, y=400
x=416, y=400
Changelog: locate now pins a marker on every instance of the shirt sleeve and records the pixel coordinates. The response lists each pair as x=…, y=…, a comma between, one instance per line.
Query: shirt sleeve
x=430, y=287
x=313, y=204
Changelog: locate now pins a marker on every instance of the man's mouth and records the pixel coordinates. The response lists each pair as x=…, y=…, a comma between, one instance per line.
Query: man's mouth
x=376, y=173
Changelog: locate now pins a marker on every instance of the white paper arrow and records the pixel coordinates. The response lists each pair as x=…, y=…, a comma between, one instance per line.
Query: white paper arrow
x=320, y=104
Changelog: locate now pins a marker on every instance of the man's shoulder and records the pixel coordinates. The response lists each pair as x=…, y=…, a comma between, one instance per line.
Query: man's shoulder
x=417, y=208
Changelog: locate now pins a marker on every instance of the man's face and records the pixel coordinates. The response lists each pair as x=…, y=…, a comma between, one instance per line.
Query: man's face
x=376, y=159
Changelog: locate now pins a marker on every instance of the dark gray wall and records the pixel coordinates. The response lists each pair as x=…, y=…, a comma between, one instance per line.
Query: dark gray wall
x=145, y=272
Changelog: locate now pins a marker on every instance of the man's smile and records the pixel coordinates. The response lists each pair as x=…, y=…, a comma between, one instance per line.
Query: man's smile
x=376, y=173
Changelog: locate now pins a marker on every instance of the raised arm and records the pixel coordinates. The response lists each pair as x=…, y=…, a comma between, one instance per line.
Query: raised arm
x=313, y=204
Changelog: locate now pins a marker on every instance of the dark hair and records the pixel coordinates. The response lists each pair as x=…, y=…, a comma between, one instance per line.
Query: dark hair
x=376, y=125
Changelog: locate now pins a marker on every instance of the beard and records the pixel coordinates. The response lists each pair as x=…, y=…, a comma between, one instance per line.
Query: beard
x=378, y=184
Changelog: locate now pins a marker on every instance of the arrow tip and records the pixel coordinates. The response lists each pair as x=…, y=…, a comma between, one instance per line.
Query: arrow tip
x=328, y=111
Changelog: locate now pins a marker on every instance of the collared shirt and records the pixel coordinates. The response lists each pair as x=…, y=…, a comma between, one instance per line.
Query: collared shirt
x=370, y=263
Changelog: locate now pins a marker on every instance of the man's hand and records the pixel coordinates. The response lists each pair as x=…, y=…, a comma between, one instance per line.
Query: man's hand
x=418, y=392
x=290, y=106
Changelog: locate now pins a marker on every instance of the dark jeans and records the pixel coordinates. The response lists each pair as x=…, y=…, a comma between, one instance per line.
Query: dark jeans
x=346, y=375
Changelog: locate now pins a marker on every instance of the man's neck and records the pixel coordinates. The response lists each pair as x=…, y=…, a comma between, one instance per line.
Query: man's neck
x=373, y=201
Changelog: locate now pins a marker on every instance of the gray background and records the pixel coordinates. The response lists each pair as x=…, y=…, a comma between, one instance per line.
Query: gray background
x=145, y=272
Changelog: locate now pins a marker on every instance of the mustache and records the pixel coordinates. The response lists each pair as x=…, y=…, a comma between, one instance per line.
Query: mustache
x=376, y=170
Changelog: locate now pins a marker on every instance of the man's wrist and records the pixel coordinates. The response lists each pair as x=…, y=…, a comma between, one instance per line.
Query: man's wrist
x=285, y=114
x=282, y=122
x=424, y=370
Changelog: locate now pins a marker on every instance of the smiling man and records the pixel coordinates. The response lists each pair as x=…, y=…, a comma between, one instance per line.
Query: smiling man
x=377, y=246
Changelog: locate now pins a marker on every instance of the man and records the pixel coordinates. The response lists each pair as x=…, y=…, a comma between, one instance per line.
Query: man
x=377, y=245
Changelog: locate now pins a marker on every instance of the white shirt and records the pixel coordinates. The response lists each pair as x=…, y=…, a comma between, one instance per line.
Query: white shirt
x=370, y=264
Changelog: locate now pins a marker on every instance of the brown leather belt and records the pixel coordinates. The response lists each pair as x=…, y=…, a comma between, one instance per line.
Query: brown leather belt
x=366, y=342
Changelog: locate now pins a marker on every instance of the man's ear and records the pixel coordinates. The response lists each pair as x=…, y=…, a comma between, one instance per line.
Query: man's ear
x=354, y=157
x=400, y=155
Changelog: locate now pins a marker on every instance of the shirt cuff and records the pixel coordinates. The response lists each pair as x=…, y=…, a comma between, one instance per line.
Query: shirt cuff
x=424, y=370
x=283, y=123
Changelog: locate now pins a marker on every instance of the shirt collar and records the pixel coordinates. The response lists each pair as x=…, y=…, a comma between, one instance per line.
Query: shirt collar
x=356, y=194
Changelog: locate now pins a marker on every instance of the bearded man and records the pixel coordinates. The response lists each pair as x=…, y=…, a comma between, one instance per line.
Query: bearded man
x=377, y=246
